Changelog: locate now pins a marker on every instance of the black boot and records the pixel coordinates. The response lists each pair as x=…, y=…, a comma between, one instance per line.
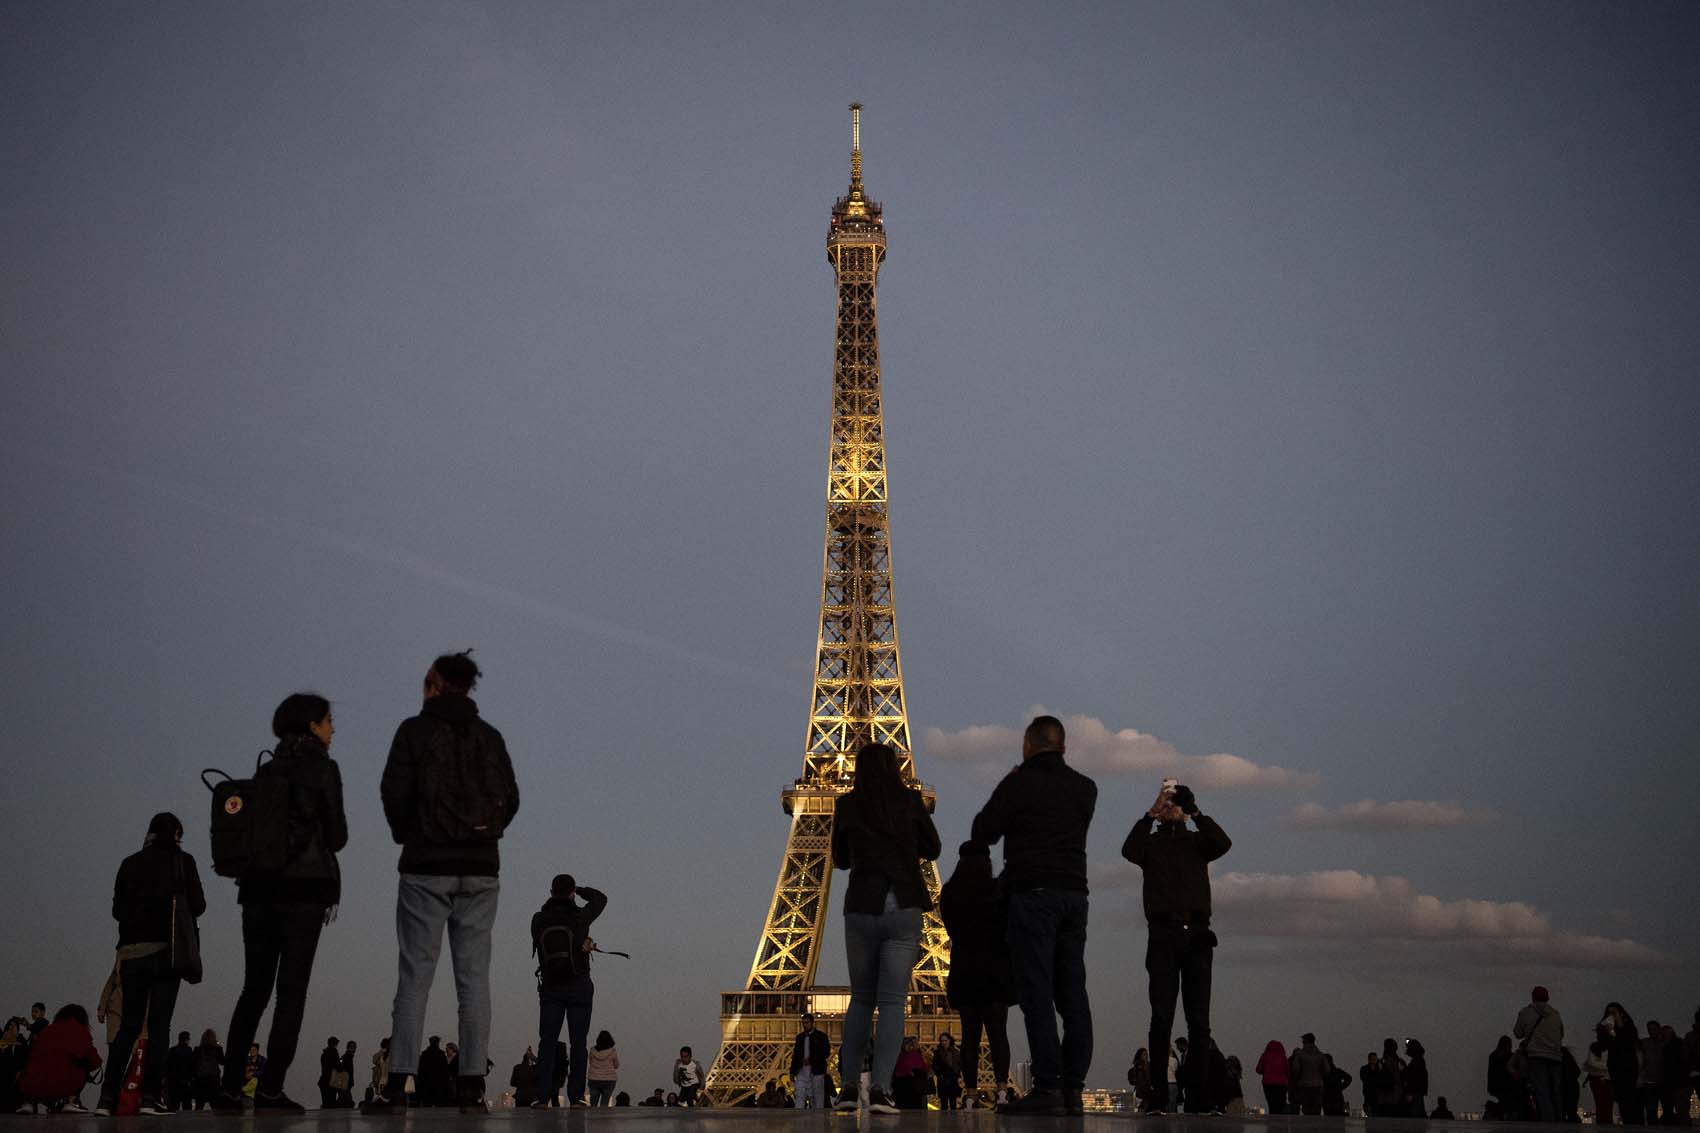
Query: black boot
x=392, y=1100
x=470, y=1088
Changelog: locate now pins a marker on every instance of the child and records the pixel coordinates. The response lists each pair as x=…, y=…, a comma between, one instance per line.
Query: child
x=60, y=1062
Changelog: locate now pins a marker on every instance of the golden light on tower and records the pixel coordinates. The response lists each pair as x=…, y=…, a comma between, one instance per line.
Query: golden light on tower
x=857, y=696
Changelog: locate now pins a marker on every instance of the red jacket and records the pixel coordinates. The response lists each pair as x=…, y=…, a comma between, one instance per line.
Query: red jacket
x=1273, y=1064
x=61, y=1059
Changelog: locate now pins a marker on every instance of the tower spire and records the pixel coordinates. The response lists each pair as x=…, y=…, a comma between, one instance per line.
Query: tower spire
x=855, y=149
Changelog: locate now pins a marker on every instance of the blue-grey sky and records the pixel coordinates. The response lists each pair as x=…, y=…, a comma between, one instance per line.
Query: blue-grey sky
x=1307, y=385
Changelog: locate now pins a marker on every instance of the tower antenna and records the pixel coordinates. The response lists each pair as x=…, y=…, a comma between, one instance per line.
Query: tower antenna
x=855, y=147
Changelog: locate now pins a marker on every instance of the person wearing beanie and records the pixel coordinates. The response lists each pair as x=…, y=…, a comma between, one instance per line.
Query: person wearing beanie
x=148, y=883
x=1541, y=1031
x=560, y=939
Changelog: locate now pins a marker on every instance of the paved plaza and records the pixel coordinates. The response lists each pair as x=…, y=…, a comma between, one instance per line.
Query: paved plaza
x=646, y=1120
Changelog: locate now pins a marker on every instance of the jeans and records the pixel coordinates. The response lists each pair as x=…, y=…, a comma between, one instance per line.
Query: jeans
x=811, y=1089
x=994, y=1018
x=570, y=1005
x=880, y=950
x=1047, y=941
x=424, y=904
x=1544, y=1075
x=150, y=993
x=601, y=1093
x=1275, y=1098
x=278, y=944
x=1178, y=959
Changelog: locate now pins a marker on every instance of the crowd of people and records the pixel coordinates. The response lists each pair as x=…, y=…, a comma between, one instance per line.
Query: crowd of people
x=448, y=792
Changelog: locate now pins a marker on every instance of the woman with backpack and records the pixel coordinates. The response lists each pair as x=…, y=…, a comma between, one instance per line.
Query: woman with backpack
x=145, y=897
x=209, y=1069
x=283, y=913
x=880, y=833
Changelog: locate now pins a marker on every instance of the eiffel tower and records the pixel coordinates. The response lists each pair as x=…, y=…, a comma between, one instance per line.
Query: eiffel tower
x=858, y=698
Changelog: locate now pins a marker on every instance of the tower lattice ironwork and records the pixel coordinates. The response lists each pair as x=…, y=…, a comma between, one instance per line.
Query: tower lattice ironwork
x=857, y=698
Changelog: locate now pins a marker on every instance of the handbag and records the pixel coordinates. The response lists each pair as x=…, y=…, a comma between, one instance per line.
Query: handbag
x=340, y=1080
x=185, y=933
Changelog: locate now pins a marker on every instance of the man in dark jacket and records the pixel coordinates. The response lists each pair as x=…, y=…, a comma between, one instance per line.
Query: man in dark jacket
x=1175, y=862
x=560, y=939
x=810, y=1053
x=180, y=1074
x=148, y=883
x=330, y=1061
x=1042, y=810
x=448, y=791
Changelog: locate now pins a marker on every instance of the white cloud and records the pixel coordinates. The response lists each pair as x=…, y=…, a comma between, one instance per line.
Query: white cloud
x=1348, y=906
x=992, y=749
x=1367, y=814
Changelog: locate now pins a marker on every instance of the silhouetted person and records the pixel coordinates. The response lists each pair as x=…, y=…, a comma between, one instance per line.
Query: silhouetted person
x=1503, y=1083
x=1369, y=1081
x=448, y=791
x=881, y=831
x=1041, y=811
x=1416, y=1079
x=1442, y=1112
x=1274, y=1069
x=330, y=1061
x=283, y=914
x=1541, y=1029
x=432, y=1081
x=1307, y=1068
x=811, y=1051
x=61, y=1057
x=979, y=984
x=1390, y=1101
x=603, y=1069
x=1176, y=889
x=561, y=941
x=142, y=895
x=1623, y=1062
x=180, y=1074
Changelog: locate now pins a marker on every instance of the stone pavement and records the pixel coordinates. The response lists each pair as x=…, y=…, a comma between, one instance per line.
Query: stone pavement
x=647, y=1120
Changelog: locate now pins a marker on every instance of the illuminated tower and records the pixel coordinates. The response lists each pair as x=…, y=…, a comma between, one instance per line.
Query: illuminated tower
x=858, y=696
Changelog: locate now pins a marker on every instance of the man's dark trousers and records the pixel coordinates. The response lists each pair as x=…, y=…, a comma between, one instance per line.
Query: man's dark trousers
x=1177, y=957
x=1047, y=943
x=569, y=1004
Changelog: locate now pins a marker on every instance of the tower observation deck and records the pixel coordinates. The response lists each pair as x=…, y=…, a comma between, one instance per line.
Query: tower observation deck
x=857, y=696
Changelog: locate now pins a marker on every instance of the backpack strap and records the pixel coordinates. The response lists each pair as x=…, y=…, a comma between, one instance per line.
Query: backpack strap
x=213, y=771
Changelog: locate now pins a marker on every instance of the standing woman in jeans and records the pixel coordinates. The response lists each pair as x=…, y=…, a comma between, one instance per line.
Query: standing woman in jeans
x=282, y=914
x=880, y=832
x=141, y=904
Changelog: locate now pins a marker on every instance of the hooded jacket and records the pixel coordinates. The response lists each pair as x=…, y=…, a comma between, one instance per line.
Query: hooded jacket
x=402, y=797
x=1541, y=1031
x=318, y=828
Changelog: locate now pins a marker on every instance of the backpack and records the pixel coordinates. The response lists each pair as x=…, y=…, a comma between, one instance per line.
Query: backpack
x=250, y=823
x=463, y=794
x=560, y=956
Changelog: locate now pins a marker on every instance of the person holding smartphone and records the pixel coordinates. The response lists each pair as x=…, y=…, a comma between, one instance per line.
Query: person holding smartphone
x=1175, y=860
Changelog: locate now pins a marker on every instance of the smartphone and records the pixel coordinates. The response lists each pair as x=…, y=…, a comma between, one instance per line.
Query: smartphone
x=1170, y=784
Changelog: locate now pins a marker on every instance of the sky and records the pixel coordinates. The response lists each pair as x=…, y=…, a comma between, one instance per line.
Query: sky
x=1299, y=399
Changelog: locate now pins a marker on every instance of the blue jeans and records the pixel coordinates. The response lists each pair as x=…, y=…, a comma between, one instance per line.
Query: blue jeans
x=571, y=1005
x=880, y=950
x=601, y=1093
x=424, y=904
x=1545, y=1078
x=1047, y=943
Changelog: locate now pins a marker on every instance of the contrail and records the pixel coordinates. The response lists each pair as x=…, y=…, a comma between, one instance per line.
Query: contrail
x=418, y=566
